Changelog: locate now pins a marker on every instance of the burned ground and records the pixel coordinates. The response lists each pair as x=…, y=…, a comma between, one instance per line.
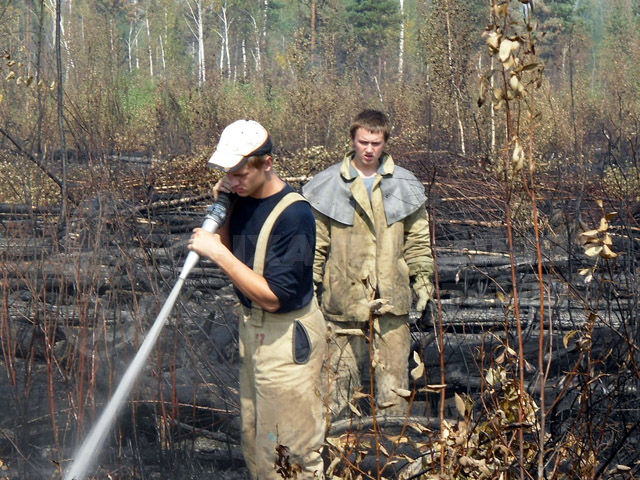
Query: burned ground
x=77, y=304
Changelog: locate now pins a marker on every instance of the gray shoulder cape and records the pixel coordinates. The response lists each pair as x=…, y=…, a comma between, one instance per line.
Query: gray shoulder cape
x=330, y=194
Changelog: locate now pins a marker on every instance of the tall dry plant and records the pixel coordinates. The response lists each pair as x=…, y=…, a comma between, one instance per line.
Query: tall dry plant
x=518, y=74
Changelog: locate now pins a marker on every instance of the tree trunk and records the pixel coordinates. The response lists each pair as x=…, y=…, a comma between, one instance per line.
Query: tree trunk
x=198, y=33
x=257, y=54
x=401, y=44
x=454, y=87
x=63, y=143
x=129, y=49
x=38, y=78
x=244, y=59
x=263, y=36
x=149, y=46
x=201, y=57
x=314, y=6
x=224, y=36
x=162, y=58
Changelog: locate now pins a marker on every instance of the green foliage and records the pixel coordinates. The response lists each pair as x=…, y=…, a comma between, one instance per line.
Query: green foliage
x=373, y=28
x=224, y=102
x=372, y=21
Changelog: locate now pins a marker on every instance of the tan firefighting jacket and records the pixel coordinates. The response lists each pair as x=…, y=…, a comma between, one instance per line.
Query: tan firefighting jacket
x=368, y=249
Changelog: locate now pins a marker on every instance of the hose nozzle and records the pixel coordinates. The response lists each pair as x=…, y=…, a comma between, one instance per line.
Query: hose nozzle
x=215, y=218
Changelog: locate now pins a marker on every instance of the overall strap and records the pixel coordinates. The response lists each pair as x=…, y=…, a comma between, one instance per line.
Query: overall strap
x=257, y=314
x=263, y=238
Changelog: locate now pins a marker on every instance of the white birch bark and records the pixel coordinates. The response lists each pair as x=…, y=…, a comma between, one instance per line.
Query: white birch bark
x=263, y=36
x=244, y=59
x=201, y=59
x=225, y=36
x=134, y=24
x=454, y=87
x=221, y=56
x=196, y=25
x=257, y=56
x=129, y=46
x=132, y=47
x=136, y=50
x=149, y=46
x=52, y=6
x=162, y=57
x=314, y=7
x=401, y=43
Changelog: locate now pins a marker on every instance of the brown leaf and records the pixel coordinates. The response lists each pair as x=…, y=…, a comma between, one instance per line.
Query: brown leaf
x=354, y=409
x=514, y=82
x=460, y=405
x=593, y=251
x=402, y=392
x=608, y=253
x=604, y=225
x=506, y=47
x=493, y=41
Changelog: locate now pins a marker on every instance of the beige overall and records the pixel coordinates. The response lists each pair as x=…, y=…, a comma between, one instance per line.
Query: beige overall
x=281, y=401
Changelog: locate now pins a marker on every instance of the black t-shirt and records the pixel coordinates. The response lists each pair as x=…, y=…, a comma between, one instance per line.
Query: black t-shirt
x=289, y=261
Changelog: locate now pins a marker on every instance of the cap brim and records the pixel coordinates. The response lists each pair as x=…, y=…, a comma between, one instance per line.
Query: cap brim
x=224, y=160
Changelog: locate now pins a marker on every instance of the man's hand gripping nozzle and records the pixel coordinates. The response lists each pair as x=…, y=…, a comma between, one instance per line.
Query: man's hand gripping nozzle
x=216, y=215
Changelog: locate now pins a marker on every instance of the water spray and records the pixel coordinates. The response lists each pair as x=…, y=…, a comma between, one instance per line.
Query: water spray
x=84, y=457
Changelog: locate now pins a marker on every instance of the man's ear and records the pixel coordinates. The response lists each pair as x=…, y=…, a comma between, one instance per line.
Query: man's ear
x=268, y=163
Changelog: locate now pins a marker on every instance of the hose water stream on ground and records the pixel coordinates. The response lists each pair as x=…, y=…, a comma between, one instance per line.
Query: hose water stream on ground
x=86, y=455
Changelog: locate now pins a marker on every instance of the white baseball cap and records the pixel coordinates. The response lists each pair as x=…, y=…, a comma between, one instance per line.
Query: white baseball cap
x=239, y=140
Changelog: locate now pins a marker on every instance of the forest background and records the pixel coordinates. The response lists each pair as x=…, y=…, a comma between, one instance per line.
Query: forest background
x=109, y=109
x=163, y=78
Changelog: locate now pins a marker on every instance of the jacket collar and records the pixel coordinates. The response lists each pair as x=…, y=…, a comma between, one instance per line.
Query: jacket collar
x=330, y=193
x=349, y=173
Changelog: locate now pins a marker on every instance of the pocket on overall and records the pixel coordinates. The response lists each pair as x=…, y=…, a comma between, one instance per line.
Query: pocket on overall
x=301, y=343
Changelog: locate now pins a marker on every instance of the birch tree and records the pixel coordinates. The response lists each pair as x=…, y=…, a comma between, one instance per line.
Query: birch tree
x=132, y=41
x=452, y=78
x=53, y=7
x=257, y=33
x=149, y=43
x=263, y=37
x=60, y=98
x=314, y=22
x=224, y=37
x=401, y=41
x=195, y=21
x=250, y=29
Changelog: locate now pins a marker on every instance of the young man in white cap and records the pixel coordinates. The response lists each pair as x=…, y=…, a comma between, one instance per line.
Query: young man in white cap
x=372, y=248
x=266, y=248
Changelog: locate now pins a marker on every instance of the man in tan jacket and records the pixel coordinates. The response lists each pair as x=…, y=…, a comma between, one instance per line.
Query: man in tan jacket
x=372, y=248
